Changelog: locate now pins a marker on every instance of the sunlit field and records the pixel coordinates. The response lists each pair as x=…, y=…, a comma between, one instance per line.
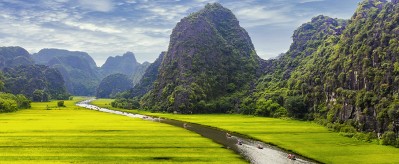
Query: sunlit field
x=48, y=134
x=306, y=138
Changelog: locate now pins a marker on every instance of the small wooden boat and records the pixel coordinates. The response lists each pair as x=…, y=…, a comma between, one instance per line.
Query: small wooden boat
x=291, y=157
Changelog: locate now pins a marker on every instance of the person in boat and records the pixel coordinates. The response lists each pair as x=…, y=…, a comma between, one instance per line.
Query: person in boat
x=239, y=142
x=185, y=125
x=228, y=135
x=291, y=157
x=259, y=146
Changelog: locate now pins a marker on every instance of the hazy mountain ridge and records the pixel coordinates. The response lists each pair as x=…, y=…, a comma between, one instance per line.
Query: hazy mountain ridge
x=146, y=82
x=125, y=64
x=113, y=84
x=77, y=68
x=14, y=56
x=80, y=72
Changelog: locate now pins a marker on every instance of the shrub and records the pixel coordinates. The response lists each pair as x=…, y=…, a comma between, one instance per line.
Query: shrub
x=60, y=104
x=388, y=138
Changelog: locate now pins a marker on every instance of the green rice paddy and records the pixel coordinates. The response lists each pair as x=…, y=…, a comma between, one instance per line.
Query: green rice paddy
x=306, y=138
x=77, y=135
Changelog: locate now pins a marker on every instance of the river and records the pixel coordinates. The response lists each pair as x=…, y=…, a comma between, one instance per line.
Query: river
x=254, y=151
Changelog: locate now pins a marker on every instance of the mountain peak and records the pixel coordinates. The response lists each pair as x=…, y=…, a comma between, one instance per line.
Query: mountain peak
x=207, y=51
x=130, y=56
x=214, y=6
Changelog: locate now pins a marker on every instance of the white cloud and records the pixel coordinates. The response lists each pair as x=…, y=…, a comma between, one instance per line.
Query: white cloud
x=92, y=27
x=97, y=5
x=260, y=16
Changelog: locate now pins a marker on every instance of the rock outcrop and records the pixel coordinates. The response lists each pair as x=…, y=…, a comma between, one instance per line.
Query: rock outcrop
x=209, y=56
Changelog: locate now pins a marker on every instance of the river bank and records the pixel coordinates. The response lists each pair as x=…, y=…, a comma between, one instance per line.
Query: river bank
x=302, y=137
x=254, y=151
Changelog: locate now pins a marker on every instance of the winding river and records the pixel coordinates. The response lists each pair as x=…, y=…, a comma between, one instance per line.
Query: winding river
x=254, y=151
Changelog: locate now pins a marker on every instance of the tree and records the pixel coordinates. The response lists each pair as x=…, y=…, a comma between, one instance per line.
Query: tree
x=296, y=107
x=1, y=85
x=40, y=96
x=11, y=103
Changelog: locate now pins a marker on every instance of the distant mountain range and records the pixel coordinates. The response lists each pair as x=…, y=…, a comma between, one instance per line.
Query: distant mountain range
x=78, y=69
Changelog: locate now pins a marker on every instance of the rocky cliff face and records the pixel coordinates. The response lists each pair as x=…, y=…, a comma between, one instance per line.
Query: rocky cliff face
x=77, y=68
x=14, y=56
x=138, y=73
x=209, y=56
x=351, y=75
x=361, y=82
x=306, y=39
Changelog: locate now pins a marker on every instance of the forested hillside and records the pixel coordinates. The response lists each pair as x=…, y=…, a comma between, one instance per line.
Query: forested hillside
x=20, y=78
x=113, y=84
x=273, y=88
x=209, y=57
x=349, y=77
x=10, y=102
x=130, y=99
x=78, y=69
x=14, y=56
x=37, y=82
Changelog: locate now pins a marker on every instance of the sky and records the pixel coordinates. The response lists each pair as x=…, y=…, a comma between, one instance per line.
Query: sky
x=106, y=28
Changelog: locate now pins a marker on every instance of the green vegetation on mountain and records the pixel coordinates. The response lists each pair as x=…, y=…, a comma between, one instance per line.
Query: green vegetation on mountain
x=78, y=69
x=130, y=99
x=37, y=82
x=210, y=57
x=139, y=72
x=113, y=84
x=14, y=56
x=274, y=95
x=80, y=72
x=348, y=78
x=21, y=81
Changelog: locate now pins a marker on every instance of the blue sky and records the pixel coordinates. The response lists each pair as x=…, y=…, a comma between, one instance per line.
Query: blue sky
x=111, y=27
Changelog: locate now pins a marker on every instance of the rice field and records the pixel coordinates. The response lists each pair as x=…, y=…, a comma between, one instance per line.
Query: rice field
x=306, y=138
x=48, y=134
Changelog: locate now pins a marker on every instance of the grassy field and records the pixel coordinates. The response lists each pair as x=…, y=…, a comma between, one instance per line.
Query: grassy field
x=77, y=135
x=306, y=138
